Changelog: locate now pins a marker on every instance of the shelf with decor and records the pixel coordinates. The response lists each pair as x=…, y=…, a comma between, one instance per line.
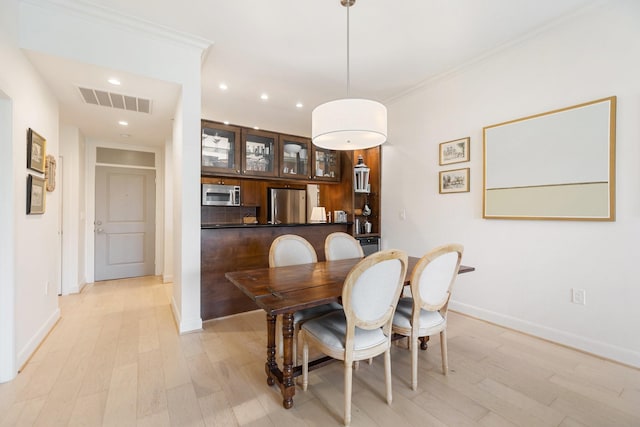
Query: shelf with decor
x=366, y=191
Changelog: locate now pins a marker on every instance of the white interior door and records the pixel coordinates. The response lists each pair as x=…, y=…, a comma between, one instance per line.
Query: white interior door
x=124, y=227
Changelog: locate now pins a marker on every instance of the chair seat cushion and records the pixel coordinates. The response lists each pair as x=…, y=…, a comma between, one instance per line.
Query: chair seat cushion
x=331, y=328
x=313, y=312
x=430, y=321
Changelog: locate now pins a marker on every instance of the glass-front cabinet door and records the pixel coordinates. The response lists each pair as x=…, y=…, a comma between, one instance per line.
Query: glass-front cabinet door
x=260, y=156
x=220, y=149
x=326, y=164
x=295, y=157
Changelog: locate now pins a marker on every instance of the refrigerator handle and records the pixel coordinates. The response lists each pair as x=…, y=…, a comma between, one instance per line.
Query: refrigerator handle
x=274, y=207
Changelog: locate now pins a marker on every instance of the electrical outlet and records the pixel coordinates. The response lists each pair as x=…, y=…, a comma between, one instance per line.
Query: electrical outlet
x=46, y=288
x=578, y=296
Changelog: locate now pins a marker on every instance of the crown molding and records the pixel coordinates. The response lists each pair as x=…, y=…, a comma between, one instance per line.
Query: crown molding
x=92, y=12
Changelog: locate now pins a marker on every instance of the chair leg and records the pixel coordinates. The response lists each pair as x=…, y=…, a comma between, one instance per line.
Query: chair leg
x=348, y=373
x=443, y=351
x=414, y=362
x=387, y=374
x=305, y=364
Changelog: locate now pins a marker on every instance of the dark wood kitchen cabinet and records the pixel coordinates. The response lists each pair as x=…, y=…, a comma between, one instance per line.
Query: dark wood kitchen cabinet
x=220, y=149
x=295, y=157
x=326, y=165
x=259, y=153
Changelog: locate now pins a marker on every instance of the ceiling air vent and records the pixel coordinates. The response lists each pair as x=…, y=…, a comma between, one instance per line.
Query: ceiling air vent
x=115, y=100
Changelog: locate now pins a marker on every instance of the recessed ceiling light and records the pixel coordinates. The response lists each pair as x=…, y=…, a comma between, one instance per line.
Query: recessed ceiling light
x=123, y=123
x=114, y=81
x=223, y=86
x=226, y=122
x=256, y=128
x=264, y=96
x=299, y=105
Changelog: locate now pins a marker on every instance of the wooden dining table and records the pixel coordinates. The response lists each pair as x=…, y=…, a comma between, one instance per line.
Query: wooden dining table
x=281, y=291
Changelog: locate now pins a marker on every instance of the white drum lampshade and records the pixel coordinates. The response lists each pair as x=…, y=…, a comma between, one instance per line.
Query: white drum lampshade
x=349, y=124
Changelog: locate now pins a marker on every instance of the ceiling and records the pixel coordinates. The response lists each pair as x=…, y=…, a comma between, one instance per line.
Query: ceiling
x=295, y=51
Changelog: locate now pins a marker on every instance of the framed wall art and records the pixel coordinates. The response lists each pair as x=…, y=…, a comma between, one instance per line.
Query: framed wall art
x=554, y=165
x=50, y=172
x=36, y=195
x=36, y=151
x=456, y=151
x=454, y=181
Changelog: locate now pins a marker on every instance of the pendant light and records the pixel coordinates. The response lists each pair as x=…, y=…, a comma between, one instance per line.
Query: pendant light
x=349, y=123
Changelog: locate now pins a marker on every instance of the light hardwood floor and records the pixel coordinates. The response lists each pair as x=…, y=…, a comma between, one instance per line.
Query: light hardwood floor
x=115, y=359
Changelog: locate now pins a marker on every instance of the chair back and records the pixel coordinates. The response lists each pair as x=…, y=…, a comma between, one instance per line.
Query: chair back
x=372, y=289
x=290, y=249
x=433, y=277
x=341, y=245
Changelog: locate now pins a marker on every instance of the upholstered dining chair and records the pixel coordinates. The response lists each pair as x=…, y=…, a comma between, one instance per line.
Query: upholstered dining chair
x=425, y=313
x=363, y=328
x=291, y=249
x=340, y=245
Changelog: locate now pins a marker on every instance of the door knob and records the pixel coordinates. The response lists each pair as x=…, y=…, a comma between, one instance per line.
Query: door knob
x=98, y=223
x=99, y=230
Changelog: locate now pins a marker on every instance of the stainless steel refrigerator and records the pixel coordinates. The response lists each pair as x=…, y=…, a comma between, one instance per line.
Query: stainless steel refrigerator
x=287, y=206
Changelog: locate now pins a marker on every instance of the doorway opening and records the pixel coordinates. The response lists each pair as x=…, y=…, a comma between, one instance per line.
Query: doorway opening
x=125, y=214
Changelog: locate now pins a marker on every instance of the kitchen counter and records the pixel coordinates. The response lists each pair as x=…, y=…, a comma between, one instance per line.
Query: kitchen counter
x=234, y=247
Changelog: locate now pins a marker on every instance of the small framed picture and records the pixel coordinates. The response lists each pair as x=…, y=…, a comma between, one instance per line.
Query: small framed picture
x=36, y=195
x=36, y=153
x=50, y=172
x=454, y=181
x=456, y=151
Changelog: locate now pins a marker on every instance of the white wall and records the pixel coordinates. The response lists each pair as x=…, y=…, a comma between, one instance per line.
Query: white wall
x=167, y=275
x=526, y=269
x=35, y=239
x=73, y=222
x=7, y=285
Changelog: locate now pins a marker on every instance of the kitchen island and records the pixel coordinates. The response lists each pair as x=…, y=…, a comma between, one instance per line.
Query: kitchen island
x=233, y=247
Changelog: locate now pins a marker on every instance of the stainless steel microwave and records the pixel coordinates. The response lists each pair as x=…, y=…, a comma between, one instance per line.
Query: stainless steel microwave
x=220, y=195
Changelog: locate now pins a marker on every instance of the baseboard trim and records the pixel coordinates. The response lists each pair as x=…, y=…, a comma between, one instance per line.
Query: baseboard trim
x=577, y=342
x=36, y=341
x=184, y=326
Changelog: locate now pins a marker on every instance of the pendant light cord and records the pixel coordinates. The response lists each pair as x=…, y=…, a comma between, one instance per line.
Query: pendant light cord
x=348, y=65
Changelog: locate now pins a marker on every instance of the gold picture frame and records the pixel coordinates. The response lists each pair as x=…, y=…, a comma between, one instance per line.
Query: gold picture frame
x=557, y=165
x=456, y=151
x=454, y=181
x=36, y=151
x=36, y=195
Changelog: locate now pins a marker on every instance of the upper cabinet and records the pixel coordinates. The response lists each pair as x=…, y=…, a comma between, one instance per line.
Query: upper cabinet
x=326, y=165
x=295, y=157
x=260, y=153
x=220, y=149
x=229, y=150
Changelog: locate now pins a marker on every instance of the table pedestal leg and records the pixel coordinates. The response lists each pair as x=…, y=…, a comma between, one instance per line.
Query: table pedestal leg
x=271, y=349
x=288, y=385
